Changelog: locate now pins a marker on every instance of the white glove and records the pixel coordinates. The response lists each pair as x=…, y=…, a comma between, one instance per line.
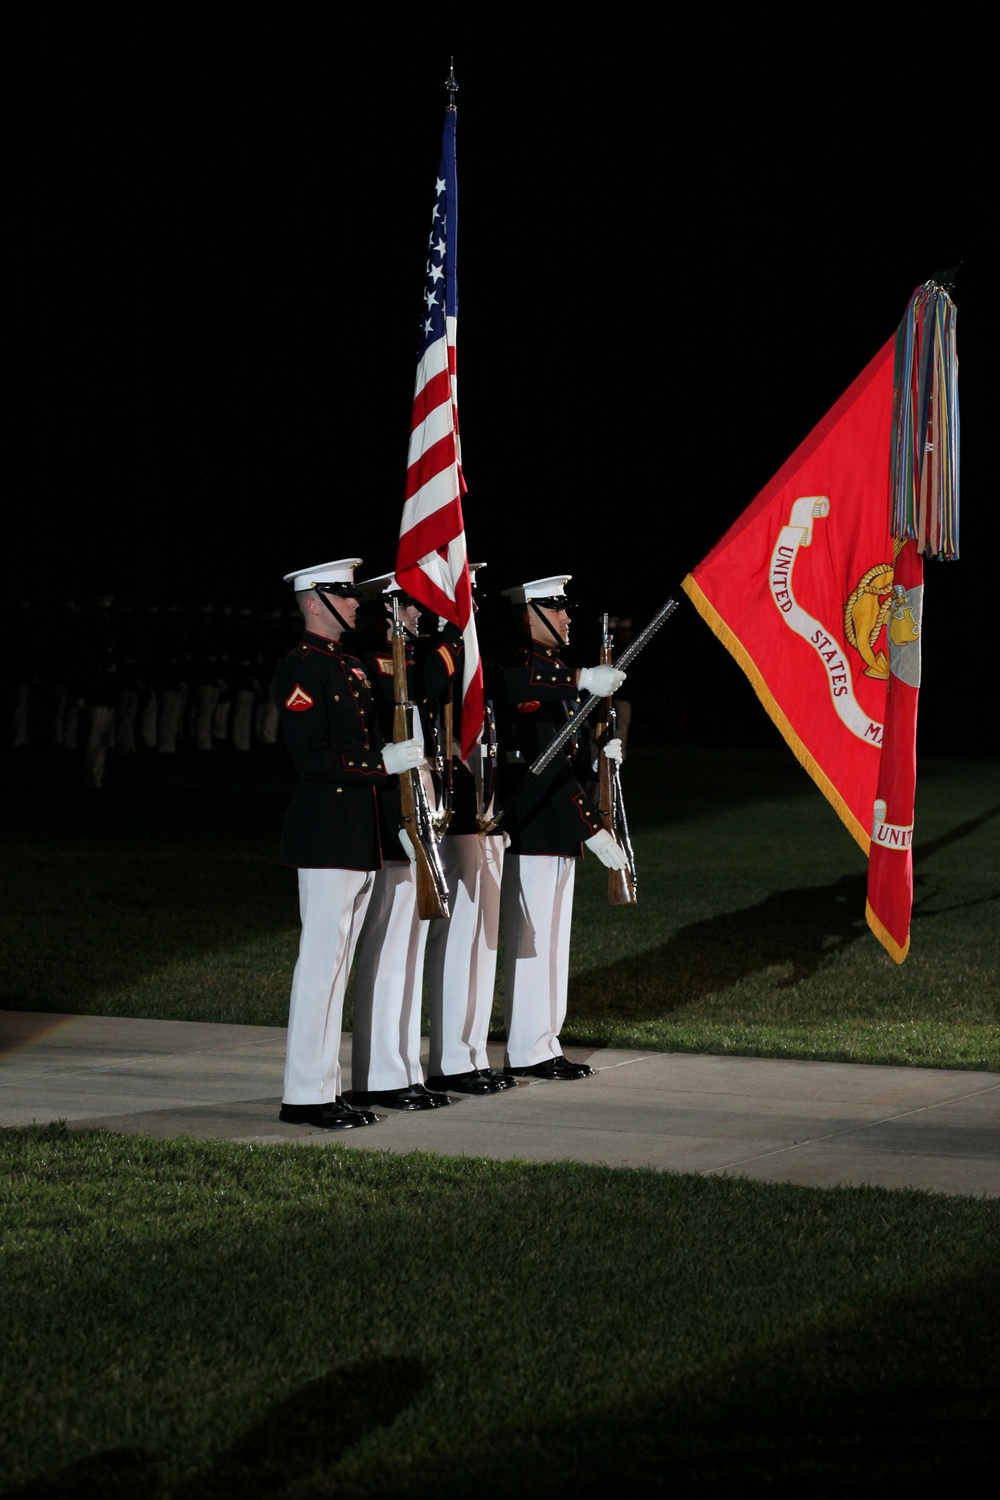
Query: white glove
x=613, y=751
x=407, y=843
x=601, y=681
x=402, y=755
x=607, y=851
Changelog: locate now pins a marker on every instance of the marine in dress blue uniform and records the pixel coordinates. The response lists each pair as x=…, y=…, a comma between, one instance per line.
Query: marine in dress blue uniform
x=331, y=833
x=549, y=823
x=462, y=952
x=388, y=982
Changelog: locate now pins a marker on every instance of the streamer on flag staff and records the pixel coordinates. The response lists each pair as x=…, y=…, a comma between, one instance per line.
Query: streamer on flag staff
x=926, y=425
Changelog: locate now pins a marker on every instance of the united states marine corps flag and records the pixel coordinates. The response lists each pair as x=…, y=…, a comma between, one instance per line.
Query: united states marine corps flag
x=817, y=590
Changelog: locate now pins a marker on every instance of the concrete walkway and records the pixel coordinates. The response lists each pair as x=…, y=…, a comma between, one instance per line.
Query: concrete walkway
x=814, y=1123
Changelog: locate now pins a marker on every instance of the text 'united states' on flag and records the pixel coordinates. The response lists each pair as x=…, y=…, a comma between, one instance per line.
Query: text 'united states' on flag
x=432, y=562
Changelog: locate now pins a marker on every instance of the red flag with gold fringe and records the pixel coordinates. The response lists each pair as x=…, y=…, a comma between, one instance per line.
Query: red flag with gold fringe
x=816, y=590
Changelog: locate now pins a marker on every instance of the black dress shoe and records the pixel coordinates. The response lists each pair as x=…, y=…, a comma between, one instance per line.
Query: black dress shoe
x=479, y=1081
x=558, y=1069
x=505, y=1080
x=414, y=1097
x=335, y=1116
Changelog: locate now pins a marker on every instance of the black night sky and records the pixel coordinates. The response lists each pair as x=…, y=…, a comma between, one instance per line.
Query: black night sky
x=679, y=241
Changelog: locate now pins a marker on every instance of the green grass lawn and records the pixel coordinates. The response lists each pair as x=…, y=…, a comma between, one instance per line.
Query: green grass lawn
x=163, y=897
x=192, y=1320
x=200, y=1319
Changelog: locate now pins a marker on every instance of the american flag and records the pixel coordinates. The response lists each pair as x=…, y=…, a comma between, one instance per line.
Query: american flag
x=432, y=563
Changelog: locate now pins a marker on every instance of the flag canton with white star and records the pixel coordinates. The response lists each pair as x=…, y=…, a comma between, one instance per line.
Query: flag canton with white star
x=441, y=289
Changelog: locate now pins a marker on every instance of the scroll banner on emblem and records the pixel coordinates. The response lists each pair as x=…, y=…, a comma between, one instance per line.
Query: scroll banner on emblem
x=799, y=588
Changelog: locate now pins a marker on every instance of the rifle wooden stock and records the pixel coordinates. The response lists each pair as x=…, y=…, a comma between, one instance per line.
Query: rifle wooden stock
x=448, y=763
x=432, y=887
x=611, y=806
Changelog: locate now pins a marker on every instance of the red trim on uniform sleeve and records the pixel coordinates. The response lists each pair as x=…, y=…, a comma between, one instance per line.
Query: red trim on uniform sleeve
x=593, y=823
x=370, y=765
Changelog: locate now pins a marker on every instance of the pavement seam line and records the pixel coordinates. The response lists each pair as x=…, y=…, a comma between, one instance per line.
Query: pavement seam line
x=832, y=1135
x=628, y=1061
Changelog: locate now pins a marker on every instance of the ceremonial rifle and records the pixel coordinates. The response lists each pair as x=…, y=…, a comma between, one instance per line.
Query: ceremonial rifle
x=447, y=808
x=417, y=823
x=586, y=708
x=611, y=805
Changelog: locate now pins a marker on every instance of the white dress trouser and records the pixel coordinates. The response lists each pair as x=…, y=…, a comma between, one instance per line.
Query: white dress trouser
x=100, y=736
x=242, y=718
x=126, y=715
x=266, y=723
x=332, y=905
x=388, y=984
x=172, y=703
x=147, y=719
x=537, y=905
x=462, y=954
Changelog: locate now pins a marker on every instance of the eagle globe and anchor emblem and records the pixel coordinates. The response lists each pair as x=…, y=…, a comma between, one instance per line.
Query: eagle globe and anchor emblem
x=877, y=602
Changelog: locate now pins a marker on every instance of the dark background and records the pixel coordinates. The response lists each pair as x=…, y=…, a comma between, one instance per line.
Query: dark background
x=681, y=237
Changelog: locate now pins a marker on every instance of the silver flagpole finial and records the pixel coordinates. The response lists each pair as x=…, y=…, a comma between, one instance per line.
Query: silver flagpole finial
x=451, y=84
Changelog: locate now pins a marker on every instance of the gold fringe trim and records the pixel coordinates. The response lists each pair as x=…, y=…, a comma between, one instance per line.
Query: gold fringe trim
x=885, y=937
x=736, y=649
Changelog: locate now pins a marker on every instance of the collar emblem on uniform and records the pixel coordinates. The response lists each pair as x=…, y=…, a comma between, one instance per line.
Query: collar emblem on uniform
x=298, y=700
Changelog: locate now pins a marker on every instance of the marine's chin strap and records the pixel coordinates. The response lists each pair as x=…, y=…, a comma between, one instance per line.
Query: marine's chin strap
x=322, y=594
x=553, y=632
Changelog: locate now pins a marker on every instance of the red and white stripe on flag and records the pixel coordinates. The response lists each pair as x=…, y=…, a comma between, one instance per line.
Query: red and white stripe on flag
x=431, y=561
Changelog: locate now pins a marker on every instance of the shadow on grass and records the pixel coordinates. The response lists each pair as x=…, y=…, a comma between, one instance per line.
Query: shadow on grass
x=906, y=1392
x=954, y=835
x=296, y=1440
x=794, y=930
